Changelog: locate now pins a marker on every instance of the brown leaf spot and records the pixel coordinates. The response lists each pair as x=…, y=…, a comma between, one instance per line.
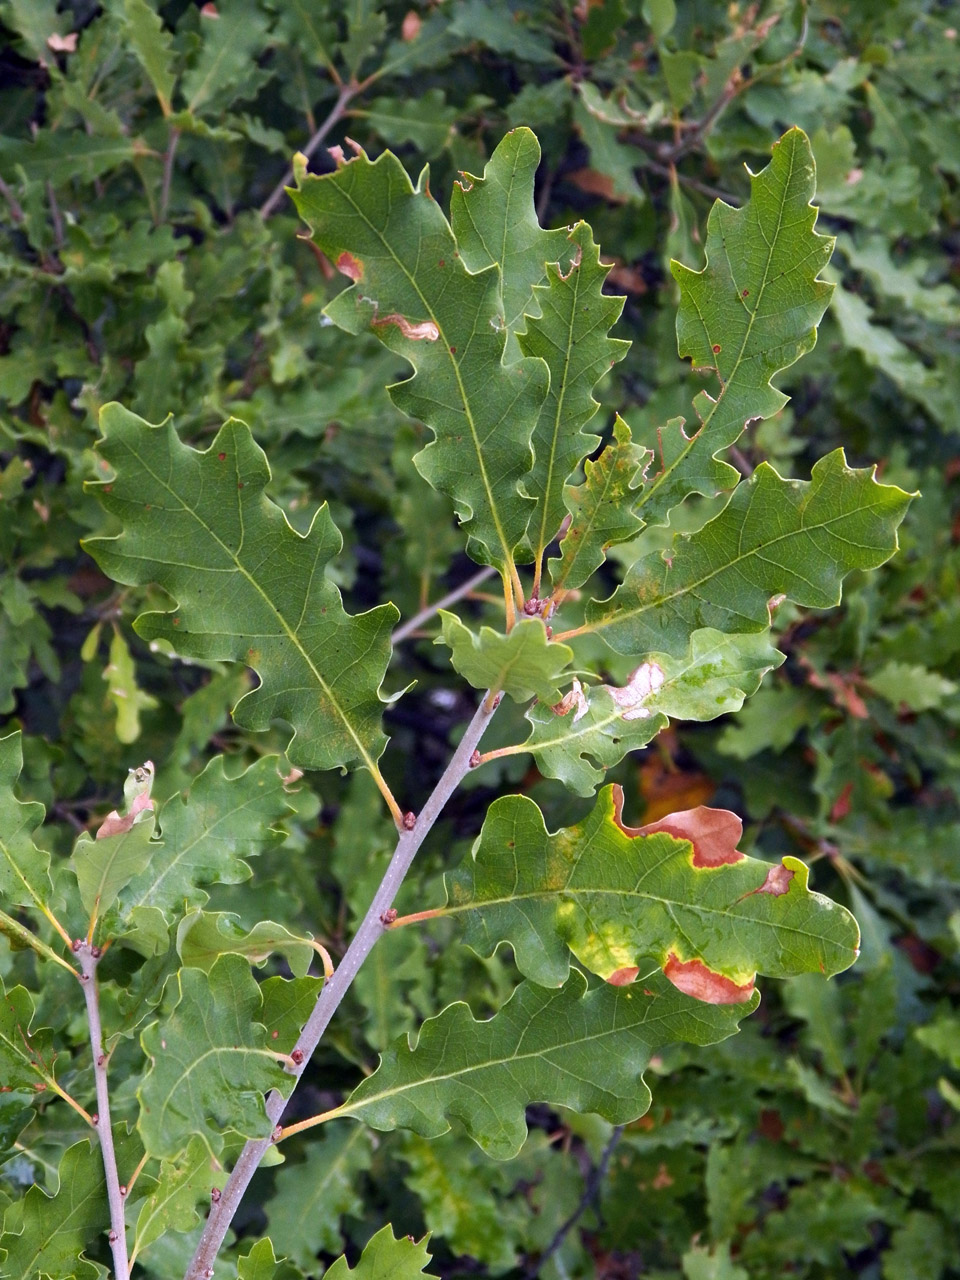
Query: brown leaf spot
x=419, y=331
x=717, y=348
x=777, y=881
x=693, y=978
x=745, y=293
x=348, y=265
x=714, y=833
x=623, y=977
x=841, y=806
x=222, y=457
x=410, y=27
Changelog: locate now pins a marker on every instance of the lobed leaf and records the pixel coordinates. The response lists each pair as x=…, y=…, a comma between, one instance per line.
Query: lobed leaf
x=248, y=587
x=752, y=311
x=204, y=936
x=182, y=1184
x=47, y=1235
x=678, y=891
x=413, y=288
x=385, y=1258
x=26, y=1056
x=211, y=1063
x=601, y=509
x=568, y=1047
x=792, y=538
x=24, y=869
x=524, y=663
x=589, y=731
x=205, y=835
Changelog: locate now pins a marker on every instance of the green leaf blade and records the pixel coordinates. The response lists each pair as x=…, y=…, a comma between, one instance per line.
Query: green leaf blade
x=248, y=587
x=751, y=312
x=211, y=1063
x=413, y=288
x=523, y=664
x=569, y=1047
x=24, y=869
x=774, y=537
x=678, y=891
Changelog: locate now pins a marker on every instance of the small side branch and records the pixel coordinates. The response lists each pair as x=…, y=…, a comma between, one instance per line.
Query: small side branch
x=89, y=957
x=344, y=97
x=590, y=1192
x=372, y=927
x=416, y=622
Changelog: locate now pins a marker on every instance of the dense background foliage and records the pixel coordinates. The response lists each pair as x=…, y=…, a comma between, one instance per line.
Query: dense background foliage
x=148, y=257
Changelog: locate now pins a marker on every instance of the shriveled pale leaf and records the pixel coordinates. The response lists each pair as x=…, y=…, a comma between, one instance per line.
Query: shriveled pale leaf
x=600, y=725
x=414, y=290
x=567, y=1047
x=151, y=43
x=791, y=538
x=205, y=835
x=752, y=311
x=204, y=936
x=211, y=1063
x=51, y=1232
x=124, y=693
x=248, y=587
x=678, y=891
x=105, y=867
x=495, y=224
x=385, y=1258
x=261, y=1263
x=312, y=1197
x=26, y=1056
x=524, y=663
x=24, y=869
x=602, y=510
x=182, y=1184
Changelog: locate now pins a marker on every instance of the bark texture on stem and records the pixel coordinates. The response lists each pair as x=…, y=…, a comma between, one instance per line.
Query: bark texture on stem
x=89, y=957
x=371, y=928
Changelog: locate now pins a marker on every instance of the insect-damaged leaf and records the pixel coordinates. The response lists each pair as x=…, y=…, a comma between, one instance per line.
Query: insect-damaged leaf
x=248, y=587
x=212, y=1062
x=591, y=730
x=677, y=891
x=524, y=663
x=566, y=1047
x=794, y=538
x=414, y=290
x=750, y=312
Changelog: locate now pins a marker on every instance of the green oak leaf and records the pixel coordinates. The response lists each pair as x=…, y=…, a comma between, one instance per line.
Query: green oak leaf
x=287, y=1004
x=523, y=663
x=413, y=289
x=205, y=835
x=105, y=866
x=313, y=1196
x=261, y=1263
x=793, y=538
x=567, y=1047
x=204, y=936
x=181, y=1185
x=385, y=1258
x=495, y=223
x=601, y=509
x=248, y=587
x=24, y=869
x=570, y=335
x=45, y=1236
x=678, y=891
x=26, y=1056
x=151, y=44
x=713, y=678
x=212, y=1062
x=752, y=311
